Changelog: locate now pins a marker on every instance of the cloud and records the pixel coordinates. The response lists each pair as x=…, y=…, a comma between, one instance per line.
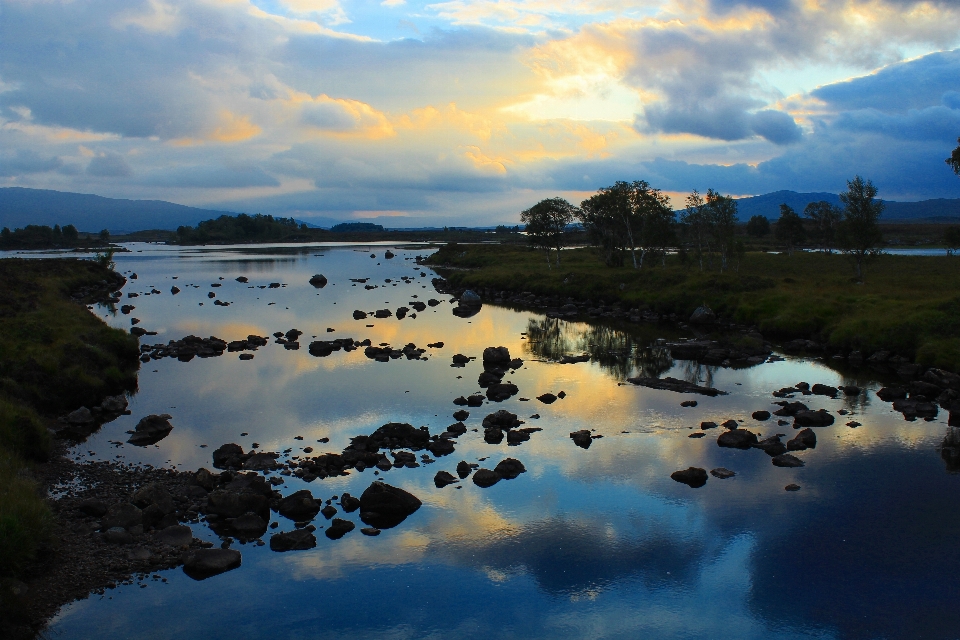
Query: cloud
x=776, y=126
x=109, y=165
x=199, y=177
x=24, y=161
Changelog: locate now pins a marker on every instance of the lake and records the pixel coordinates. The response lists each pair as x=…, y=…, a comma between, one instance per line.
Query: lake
x=587, y=543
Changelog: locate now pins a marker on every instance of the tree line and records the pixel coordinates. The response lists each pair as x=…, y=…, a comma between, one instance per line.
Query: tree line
x=245, y=228
x=35, y=236
x=635, y=222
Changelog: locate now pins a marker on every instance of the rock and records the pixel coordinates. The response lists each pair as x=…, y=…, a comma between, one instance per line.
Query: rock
x=502, y=391
x=151, y=430
x=688, y=403
x=228, y=503
x=461, y=415
x=722, y=473
x=117, y=535
x=492, y=435
x=470, y=299
x=819, y=418
x=246, y=356
x=581, y=438
x=261, y=462
x=824, y=390
x=787, y=460
x=488, y=378
x=359, y=315
x=485, y=478
x=704, y=426
x=460, y=360
x=328, y=511
x=761, y=415
x=673, y=384
x=463, y=469
x=851, y=390
x=114, y=404
x=123, y=515
x=457, y=429
x=737, y=439
x=792, y=487
x=370, y=531
x=318, y=281
x=156, y=494
x=249, y=526
x=229, y=456
x=443, y=478
x=176, y=535
x=496, y=356
x=296, y=540
x=388, y=254
x=80, y=416
x=440, y=447
x=547, y=398
x=729, y=424
x=509, y=468
x=771, y=446
x=703, y=315
x=693, y=477
x=697, y=434
x=92, y=507
x=384, y=506
x=349, y=503
x=200, y=564
x=805, y=439
x=339, y=528
x=383, y=313
x=888, y=394
x=299, y=506
x=502, y=419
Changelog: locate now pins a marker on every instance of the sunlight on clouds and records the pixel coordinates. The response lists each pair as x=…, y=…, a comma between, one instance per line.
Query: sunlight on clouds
x=450, y=118
x=160, y=18
x=330, y=9
x=483, y=162
x=234, y=128
x=342, y=117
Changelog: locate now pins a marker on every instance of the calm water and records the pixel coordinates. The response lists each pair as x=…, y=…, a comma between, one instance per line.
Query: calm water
x=596, y=543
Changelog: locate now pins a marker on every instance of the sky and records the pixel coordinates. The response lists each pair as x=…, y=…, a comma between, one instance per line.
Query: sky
x=466, y=112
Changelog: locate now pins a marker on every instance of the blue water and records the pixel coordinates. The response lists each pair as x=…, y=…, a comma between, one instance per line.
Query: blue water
x=596, y=543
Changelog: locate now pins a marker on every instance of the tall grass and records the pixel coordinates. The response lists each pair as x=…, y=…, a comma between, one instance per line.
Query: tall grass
x=26, y=521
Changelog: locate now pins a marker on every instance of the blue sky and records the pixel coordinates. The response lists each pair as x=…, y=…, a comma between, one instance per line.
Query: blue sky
x=468, y=111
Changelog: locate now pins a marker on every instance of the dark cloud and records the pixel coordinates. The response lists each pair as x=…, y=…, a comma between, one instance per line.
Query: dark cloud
x=109, y=165
x=776, y=126
x=328, y=116
x=24, y=161
x=211, y=177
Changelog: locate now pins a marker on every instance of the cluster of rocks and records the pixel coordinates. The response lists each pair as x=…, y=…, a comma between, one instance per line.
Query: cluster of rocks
x=323, y=348
x=400, y=312
x=186, y=349
x=711, y=352
x=503, y=422
x=82, y=422
x=384, y=352
x=674, y=384
x=106, y=291
x=936, y=389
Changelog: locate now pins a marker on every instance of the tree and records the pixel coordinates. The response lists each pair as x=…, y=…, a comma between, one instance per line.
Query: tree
x=105, y=235
x=825, y=218
x=790, y=230
x=858, y=234
x=954, y=159
x=546, y=223
x=70, y=233
x=740, y=250
x=722, y=211
x=695, y=218
x=597, y=215
x=758, y=226
x=658, y=220
x=951, y=238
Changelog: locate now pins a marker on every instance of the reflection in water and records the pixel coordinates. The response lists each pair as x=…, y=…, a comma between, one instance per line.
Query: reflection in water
x=620, y=354
x=950, y=450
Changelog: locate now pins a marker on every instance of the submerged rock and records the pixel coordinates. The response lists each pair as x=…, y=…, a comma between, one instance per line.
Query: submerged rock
x=722, y=473
x=787, y=460
x=296, y=540
x=204, y=563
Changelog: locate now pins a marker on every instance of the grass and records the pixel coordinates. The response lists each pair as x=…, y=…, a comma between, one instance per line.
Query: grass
x=907, y=304
x=54, y=357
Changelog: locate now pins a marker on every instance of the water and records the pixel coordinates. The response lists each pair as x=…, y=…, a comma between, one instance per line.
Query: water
x=596, y=543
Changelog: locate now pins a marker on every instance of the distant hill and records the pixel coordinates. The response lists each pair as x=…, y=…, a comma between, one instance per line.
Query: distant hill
x=768, y=205
x=20, y=207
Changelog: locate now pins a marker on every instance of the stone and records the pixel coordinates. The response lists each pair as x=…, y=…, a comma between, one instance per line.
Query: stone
x=461, y=415
x=771, y=446
x=463, y=469
x=737, y=439
x=318, y=281
x=296, y=540
x=370, y=531
x=673, y=384
x=384, y=506
x=805, y=439
x=722, y=473
x=443, y=478
x=824, y=390
x=123, y=515
x=787, y=460
x=228, y=456
x=151, y=430
x=80, y=416
x=694, y=477
x=117, y=535
x=509, y=468
x=261, y=462
x=581, y=438
x=200, y=564
x=114, y=404
x=470, y=299
x=502, y=391
x=298, y=506
x=688, y=403
x=349, y=503
x=819, y=418
x=485, y=478
x=176, y=535
x=92, y=507
x=154, y=494
x=328, y=511
x=496, y=356
x=708, y=425
x=761, y=415
x=547, y=398
x=792, y=487
x=339, y=528
x=703, y=315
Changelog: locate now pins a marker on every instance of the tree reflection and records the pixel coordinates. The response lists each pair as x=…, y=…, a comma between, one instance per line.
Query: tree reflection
x=950, y=450
x=618, y=353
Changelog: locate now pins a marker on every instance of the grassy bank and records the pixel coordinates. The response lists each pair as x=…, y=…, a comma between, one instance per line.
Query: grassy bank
x=908, y=304
x=54, y=357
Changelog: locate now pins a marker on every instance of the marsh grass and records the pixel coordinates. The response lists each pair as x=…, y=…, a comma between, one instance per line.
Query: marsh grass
x=908, y=304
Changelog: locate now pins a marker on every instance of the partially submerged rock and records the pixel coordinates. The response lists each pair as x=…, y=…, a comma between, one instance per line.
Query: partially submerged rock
x=384, y=506
x=296, y=540
x=200, y=564
x=787, y=460
x=673, y=384
x=693, y=477
x=151, y=430
x=737, y=439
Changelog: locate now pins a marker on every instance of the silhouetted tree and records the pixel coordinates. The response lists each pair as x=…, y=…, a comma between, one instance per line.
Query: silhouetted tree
x=598, y=216
x=546, y=223
x=951, y=238
x=790, y=230
x=758, y=226
x=825, y=218
x=105, y=235
x=70, y=233
x=858, y=234
x=658, y=220
x=954, y=159
x=722, y=211
x=695, y=219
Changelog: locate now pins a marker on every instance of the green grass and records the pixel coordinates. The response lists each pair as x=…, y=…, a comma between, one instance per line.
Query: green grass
x=909, y=304
x=54, y=357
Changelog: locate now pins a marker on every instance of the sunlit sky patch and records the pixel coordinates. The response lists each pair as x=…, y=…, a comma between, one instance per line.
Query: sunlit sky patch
x=466, y=111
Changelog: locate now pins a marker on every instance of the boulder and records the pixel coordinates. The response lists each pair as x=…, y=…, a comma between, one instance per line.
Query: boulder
x=233, y=503
x=509, y=468
x=151, y=430
x=496, y=356
x=502, y=391
x=824, y=390
x=693, y=477
x=249, y=526
x=443, y=478
x=200, y=564
x=261, y=462
x=771, y=446
x=154, y=494
x=461, y=415
x=485, y=478
x=581, y=438
x=114, y=404
x=547, y=398
x=384, y=506
x=470, y=299
x=761, y=415
x=229, y=456
x=117, y=535
x=463, y=469
x=299, y=506
x=318, y=281
x=819, y=418
x=123, y=515
x=80, y=416
x=703, y=315
x=805, y=439
x=787, y=460
x=737, y=439
x=339, y=528
x=296, y=540
x=722, y=473
x=502, y=419
x=176, y=535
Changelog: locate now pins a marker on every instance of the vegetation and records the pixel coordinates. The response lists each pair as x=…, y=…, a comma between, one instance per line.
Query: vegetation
x=247, y=228
x=35, y=236
x=825, y=218
x=790, y=230
x=910, y=305
x=357, y=227
x=954, y=159
x=758, y=226
x=858, y=233
x=545, y=224
x=951, y=238
x=55, y=356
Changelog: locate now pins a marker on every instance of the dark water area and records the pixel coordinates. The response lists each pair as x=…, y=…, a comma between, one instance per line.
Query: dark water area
x=588, y=543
